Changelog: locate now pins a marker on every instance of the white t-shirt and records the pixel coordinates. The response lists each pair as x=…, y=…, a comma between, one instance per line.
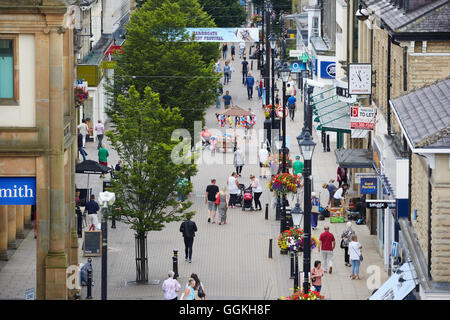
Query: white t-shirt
x=83, y=128
x=338, y=194
x=354, y=250
x=99, y=128
x=263, y=155
x=242, y=45
x=232, y=188
x=238, y=158
x=256, y=186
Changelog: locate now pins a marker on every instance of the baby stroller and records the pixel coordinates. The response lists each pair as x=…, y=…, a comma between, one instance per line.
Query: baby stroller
x=240, y=195
x=247, y=199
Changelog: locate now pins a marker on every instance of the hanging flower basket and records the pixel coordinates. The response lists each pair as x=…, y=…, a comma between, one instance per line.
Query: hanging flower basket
x=256, y=18
x=283, y=184
x=268, y=110
x=81, y=94
x=292, y=240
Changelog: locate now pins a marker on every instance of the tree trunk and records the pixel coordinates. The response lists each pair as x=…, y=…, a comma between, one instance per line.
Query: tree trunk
x=141, y=257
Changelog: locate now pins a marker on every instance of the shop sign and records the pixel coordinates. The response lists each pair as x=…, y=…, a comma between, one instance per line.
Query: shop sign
x=109, y=64
x=327, y=69
x=362, y=118
x=297, y=66
x=369, y=185
x=17, y=191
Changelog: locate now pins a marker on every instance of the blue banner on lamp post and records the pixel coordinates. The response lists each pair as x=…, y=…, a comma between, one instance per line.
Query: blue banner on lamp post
x=17, y=190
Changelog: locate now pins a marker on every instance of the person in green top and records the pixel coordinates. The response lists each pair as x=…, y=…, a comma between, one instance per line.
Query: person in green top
x=298, y=166
x=103, y=155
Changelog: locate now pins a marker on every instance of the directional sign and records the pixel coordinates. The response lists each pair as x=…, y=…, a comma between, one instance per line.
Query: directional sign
x=295, y=53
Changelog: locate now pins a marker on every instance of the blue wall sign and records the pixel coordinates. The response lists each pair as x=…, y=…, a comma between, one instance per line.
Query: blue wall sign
x=17, y=191
x=327, y=69
x=368, y=185
x=297, y=66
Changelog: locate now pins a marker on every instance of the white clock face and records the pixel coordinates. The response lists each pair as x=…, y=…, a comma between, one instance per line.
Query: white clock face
x=360, y=78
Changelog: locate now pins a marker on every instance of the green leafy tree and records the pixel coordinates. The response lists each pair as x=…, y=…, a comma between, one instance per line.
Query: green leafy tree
x=146, y=187
x=226, y=13
x=154, y=55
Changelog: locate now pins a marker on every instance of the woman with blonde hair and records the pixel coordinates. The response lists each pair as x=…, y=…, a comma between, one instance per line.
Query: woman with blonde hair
x=223, y=205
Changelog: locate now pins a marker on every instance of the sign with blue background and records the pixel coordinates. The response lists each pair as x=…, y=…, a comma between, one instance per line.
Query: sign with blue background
x=297, y=66
x=368, y=185
x=327, y=69
x=17, y=190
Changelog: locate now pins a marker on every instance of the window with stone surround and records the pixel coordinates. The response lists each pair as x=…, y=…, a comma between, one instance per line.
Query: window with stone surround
x=9, y=76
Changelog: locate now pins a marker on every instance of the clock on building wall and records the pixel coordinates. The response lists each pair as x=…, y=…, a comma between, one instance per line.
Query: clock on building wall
x=359, y=78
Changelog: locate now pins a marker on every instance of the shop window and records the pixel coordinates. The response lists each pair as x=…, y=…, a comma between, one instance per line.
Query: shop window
x=8, y=70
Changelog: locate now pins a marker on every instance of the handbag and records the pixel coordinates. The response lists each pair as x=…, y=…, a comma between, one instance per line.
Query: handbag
x=201, y=293
x=361, y=258
x=342, y=244
x=217, y=201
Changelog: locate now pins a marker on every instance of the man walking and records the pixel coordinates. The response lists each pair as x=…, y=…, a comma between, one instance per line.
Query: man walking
x=84, y=130
x=244, y=70
x=99, y=130
x=227, y=100
x=326, y=245
x=170, y=287
x=188, y=229
x=250, y=82
x=210, y=198
x=298, y=166
x=92, y=208
x=291, y=101
x=80, y=146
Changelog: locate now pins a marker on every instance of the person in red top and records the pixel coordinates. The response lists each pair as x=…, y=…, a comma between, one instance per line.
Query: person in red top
x=326, y=245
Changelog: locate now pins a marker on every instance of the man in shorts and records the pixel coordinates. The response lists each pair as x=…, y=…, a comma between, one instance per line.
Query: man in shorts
x=210, y=198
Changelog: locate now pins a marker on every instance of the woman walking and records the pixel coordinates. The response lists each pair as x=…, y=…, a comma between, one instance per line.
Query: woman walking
x=223, y=205
x=233, y=189
x=238, y=161
x=189, y=293
x=346, y=237
x=224, y=50
x=257, y=191
x=354, y=248
x=200, y=293
x=233, y=51
x=226, y=73
x=316, y=275
x=315, y=204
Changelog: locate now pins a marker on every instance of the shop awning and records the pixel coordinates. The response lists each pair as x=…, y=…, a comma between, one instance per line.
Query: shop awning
x=354, y=158
x=399, y=285
x=331, y=113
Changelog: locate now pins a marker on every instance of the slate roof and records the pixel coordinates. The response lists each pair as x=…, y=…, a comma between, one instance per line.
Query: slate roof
x=425, y=115
x=432, y=17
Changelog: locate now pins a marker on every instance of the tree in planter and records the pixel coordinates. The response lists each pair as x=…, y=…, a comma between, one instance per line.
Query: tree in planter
x=182, y=72
x=146, y=186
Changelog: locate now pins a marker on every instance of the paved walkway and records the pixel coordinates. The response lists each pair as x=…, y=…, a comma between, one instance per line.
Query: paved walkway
x=231, y=260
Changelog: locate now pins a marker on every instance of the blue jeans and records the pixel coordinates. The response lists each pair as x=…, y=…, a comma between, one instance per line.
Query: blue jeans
x=259, y=92
x=355, y=267
x=250, y=92
x=218, y=102
x=83, y=153
x=318, y=288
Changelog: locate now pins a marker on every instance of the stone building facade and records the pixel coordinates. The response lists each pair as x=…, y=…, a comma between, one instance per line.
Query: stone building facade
x=37, y=132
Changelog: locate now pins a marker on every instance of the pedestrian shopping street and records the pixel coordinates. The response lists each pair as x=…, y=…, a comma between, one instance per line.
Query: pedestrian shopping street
x=231, y=260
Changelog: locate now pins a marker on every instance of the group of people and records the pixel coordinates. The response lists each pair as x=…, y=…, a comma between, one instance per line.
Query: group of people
x=194, y=289
x=83, y=133
x=327, y=243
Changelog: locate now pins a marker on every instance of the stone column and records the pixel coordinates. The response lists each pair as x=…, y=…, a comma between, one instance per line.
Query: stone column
x=19, y=222
x=3, y=233
x=12, y=227
x=27, y=217
x=56, y=260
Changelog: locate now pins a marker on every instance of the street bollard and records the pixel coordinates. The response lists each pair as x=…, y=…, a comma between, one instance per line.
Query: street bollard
x=89, y=280
x=79, y=221
x=175, y=263
x=270, y=248
x=113, y=222
x=328, y=143
x=267, y=211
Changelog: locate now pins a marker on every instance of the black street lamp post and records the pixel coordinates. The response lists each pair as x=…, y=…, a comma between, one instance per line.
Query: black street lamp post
x=297, y=216
x=307, y=149
x=273, y=42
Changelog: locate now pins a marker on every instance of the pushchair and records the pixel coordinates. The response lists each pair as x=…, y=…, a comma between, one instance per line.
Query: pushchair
x=240, y=195
x=247, y=199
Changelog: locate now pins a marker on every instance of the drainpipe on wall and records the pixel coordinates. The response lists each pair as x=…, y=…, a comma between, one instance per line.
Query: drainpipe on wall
x=430, y=189
x=388, y=86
